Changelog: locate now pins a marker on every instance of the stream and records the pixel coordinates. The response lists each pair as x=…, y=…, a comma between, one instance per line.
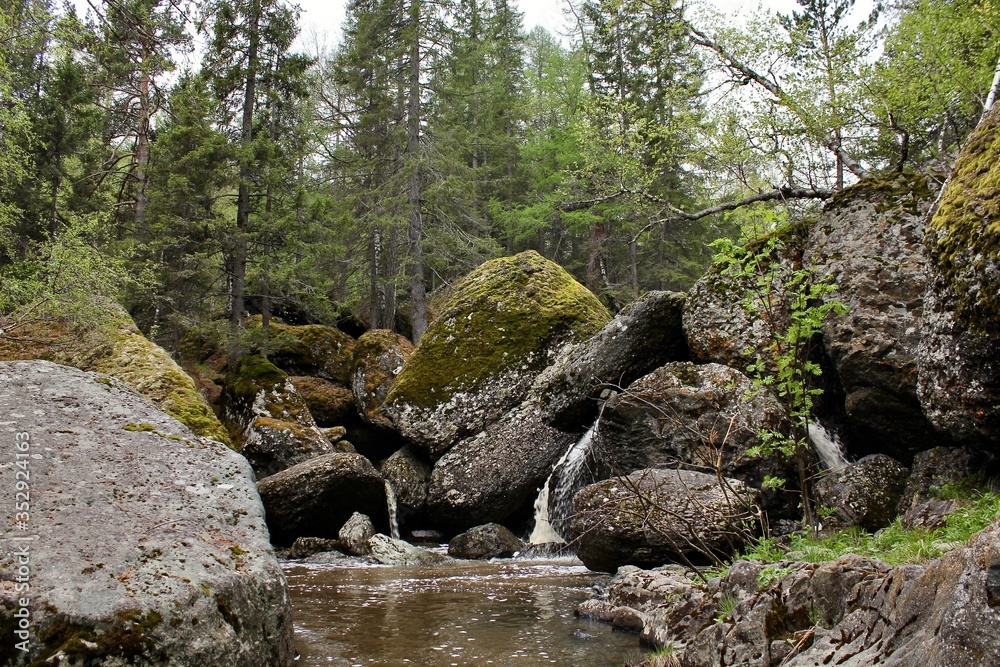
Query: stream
x=503, y=612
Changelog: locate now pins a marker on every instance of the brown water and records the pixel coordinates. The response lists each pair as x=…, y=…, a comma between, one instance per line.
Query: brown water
x=511, y=612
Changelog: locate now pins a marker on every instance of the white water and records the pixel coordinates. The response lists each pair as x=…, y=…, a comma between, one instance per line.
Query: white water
x=570, y=466
x=390, y=501
x=827, y=447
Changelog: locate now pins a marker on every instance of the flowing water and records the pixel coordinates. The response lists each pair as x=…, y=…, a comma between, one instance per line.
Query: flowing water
x=504, y=612
x=827, y=447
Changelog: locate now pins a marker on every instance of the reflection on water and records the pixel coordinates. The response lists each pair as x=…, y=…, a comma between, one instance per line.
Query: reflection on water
x=517, y=613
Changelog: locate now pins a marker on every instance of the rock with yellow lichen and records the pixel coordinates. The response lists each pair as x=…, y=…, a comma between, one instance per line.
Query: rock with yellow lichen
x=379, y=355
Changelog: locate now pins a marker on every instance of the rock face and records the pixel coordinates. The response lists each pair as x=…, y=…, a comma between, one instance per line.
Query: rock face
x=491, y=475
x=388, y=551
x=865, y=493
x=313, y=350
x=114, y=346
x=478, y=358
x=151, y=546
x=651, y=517
x=379, y=355
x=329, y=404
x=869, y=241
x=703, y=416
x=645, y=335
x=488, y=541
x=959, y=357
x=316, y=497
x=355, y=533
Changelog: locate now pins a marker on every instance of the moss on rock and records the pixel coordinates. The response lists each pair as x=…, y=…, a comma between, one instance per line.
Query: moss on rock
x=311, y=349
x=964, y=234
x=330, y=404
x=496, y=333
x=116, y=347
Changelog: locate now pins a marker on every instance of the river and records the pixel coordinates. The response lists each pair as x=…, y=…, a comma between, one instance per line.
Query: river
x=503, y=612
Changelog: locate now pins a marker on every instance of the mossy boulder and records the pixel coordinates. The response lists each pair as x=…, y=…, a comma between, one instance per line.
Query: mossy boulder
x=379, y=355
x=330, y=404
x=149, y=545
x=959, y=357
x=311, y=349
x=500, y=328
x=110, y=343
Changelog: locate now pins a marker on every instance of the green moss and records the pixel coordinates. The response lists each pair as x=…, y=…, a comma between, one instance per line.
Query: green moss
x=964, y=235
x=905, y=192
x=141, y=428
x=311, y=349
x=130, y=635
x=249, y=374
x=501, y=316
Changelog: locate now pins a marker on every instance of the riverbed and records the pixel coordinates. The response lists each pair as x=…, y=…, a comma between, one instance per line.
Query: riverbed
x=504, y=612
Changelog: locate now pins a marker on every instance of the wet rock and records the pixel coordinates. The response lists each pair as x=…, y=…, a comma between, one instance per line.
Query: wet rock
x=651, y=517
x=487, y=541
x=491, y=475
x=959, y=356
x=501, y=326
x=141, y=527
x=307, y=546
x=426, y=537
x=869, y=241
x=409, y=474
x=388, y=551
x=355, y=533
x=645, y=335
x=379, y=355
x=545, y=550
x=316, y=497
x=703, y=416
x=865, y=493
x=326, y=558
x=329, y=404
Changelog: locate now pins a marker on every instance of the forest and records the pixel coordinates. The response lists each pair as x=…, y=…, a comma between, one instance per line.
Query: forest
x=199, y=162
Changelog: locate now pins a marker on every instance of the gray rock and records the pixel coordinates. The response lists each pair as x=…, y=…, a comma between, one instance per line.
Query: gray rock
x=388, y=551
x=379, y=355
x=651, y=517
x=934, y=469
x=701, y=416
x=646, y=334
x=869, y=241
x=409, y=473
x=149, y=542
x=304, y=547
x=316, y=497
x=355, y=533
x=865, y=493
x=326, y=558
x=487, y=541
x=493, y=474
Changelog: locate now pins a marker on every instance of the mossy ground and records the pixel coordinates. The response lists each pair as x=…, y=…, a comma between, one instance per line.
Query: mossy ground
x=964, y=235
x=500, y=317
x=115, y=347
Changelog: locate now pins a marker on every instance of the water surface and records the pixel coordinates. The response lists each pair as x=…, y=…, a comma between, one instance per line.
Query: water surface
x=506, y=612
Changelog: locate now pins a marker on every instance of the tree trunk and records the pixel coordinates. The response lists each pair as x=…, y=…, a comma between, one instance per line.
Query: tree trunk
x=142, y=150
x=418, y=290
x=596, y=271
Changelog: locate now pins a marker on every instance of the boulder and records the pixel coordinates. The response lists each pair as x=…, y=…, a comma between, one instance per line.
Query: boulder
x=495, y=473
x=314, y=498
x=958, y=362
x=303, y=547
x=355, y=533
x=935, y=469
x=278, y=430
x=500, y=328
x=147, y=544
x=487, y=541
x=869, y=241
x=706, y=417
x=379, y=355
x=645, y=335
x=109, y=342
x=652, y=517
x=329, y=404
x=311, y=349
x=388, y=551
x=865, y=493
x=409, y=474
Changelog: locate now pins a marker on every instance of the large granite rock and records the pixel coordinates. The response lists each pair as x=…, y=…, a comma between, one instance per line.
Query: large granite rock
x=408, y=472
x=311, y=349
x=866, y=493
x=959, y=356
x=652, y=517
x=487, y=541
x=707, y=417
x=386, y=550
x=869, y=241
x=379, y=356
x=147, y=544
x=278, y=430
x=316, y=497
x=355, y=533
x=109, y=342
x=500, y=328
x=645, y=335
x=491, y=475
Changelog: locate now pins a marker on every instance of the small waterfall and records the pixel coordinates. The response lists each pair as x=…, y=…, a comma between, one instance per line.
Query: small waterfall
x=569, y=468
x=827, y=447
x=390, y=501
